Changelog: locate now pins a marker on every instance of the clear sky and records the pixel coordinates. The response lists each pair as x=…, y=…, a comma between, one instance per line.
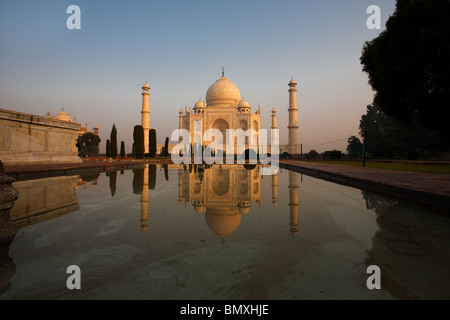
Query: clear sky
x=179, y=48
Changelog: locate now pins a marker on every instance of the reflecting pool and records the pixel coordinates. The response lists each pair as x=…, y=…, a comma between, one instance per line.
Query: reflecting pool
x=220, y=232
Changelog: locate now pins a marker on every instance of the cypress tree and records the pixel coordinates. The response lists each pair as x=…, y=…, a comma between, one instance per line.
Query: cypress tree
x=108, y=149
x=166, y=147
x=122, y=149
x=138, y=136
x=152, y=143
x=113, y=141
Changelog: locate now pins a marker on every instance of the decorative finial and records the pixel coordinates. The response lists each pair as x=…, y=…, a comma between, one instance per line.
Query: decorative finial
x=223, y=72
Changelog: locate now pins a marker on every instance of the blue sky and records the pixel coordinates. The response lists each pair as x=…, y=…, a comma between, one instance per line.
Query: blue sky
x=179, y=48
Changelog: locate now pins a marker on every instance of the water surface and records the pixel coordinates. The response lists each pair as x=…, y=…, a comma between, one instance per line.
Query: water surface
x=220, y=233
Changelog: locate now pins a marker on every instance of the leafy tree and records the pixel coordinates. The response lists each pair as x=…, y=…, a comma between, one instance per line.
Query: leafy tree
x=387, y=137
x=87, y=144
x=108, y=148
x=138, y=136
x=408, y=65
x=313, y=153
x=152, y=143
x=113, y=142
x=354, y=147
x=122, y=149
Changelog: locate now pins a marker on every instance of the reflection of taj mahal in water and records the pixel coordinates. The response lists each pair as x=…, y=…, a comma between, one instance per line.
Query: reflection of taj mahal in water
x=224, y=194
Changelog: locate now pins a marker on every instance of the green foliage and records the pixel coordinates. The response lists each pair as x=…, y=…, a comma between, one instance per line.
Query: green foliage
x=313, y=153
x=122, y=149
x=108, y=148
x=388, y=138
x=138, y=137
x=354, y=147
x=87, y=144
x=113, y=142
x=408, y=66
x=133, y=151
x=285, y=155
x=152, y=143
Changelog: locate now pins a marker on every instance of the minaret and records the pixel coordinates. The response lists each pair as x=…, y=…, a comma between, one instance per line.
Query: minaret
x=180, y=124
x=274, y=134
x=293, y=202
x=293, y=145
x=145, y=114
x=144, y=201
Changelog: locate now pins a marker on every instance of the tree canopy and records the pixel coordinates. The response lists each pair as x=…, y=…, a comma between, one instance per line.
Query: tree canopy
x=388, y=138
x=408, y=65
x=87, y=144
x=354, y=147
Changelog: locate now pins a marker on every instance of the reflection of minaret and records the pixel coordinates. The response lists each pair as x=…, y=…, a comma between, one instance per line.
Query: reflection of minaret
x=180, y=186
x=293, y=202
x=145, y=114
x=144, y=201
x=274, y=189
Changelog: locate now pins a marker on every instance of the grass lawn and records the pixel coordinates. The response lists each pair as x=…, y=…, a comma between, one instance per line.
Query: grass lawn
x=413, y=167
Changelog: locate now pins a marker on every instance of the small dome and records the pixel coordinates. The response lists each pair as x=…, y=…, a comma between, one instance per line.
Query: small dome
x=145, y=86
x=292, y=82
x=181, y=111
x=274, y=110
x=223, y=92
x=243, y=104
x=199, y=104
x=63, y=116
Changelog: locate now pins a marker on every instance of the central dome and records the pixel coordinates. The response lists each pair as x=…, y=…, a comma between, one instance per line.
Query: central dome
x=223, y=92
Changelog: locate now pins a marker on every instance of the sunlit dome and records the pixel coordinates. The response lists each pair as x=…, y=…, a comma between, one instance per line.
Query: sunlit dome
x=199, y=104
x=223, y=92
x=243, y=104
x=146, y=85
x=63, y=116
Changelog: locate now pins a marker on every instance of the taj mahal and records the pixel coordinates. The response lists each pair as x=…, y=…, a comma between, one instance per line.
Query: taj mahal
x=224, y=109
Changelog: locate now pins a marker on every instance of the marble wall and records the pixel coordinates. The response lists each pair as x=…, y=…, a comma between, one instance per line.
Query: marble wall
x=31, y=139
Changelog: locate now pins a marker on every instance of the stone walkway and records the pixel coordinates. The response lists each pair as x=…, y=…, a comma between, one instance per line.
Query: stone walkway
x=423, y=188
